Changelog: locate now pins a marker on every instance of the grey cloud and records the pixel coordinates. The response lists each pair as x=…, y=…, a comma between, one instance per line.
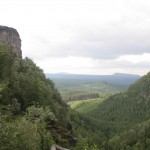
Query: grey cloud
x=100, y=43
x=123, y=32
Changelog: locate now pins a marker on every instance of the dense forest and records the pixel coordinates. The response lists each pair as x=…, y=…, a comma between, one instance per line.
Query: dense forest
x=126, y=109
x=82, y=97
x=33, y=115
x=123, y=118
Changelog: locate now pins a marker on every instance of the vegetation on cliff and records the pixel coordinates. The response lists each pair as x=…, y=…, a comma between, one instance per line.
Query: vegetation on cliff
x=32, y=114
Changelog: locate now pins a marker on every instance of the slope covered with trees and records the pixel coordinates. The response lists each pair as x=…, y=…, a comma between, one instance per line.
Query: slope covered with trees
x=126, y=109
x=122, y=120
x=30, y=106
x=84, y=106
x=137, y=138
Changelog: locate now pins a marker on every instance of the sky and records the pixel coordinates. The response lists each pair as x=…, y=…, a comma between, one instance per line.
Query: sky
x=82, y=36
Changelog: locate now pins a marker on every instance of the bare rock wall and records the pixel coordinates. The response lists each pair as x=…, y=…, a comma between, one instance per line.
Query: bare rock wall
x=11, y=37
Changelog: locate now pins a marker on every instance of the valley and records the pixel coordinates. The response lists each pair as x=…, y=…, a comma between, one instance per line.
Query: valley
x=76, y=112
x=72, y=85
x=75, y=75
x=85, y=106
x=119, y=110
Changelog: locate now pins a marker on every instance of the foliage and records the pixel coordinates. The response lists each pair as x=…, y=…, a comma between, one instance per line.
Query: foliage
x=137, y=138
x=123, y=111
x=116, y=115
x=24, y=88
x=82, y=97
x=23, y=134
x=85, y=106
x=7, y=134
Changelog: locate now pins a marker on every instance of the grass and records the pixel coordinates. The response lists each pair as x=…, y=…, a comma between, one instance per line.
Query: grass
x=85, y=106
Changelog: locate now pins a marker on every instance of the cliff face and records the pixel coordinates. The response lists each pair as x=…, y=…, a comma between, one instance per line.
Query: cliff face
x=11, y=37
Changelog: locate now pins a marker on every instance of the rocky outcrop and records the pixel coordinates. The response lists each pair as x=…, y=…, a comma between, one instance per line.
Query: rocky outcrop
x=11, y=37
x=55, y=147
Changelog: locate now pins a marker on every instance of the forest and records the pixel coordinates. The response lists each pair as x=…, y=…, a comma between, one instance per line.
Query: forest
x=33, y=115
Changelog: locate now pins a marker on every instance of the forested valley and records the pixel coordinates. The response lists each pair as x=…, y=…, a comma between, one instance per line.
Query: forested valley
x=33, y=115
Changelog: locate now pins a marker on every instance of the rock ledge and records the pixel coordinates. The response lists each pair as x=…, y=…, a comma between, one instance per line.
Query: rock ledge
x=11, y=37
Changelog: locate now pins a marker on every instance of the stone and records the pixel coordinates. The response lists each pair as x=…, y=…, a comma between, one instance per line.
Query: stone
x=56, y=147
x=11, y=37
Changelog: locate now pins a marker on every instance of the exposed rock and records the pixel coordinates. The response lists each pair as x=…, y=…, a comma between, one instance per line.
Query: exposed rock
x=11, y=37
x=69, y=126
x=55, y=147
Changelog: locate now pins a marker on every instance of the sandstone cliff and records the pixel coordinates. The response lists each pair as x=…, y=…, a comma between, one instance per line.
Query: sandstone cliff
x=11, y=37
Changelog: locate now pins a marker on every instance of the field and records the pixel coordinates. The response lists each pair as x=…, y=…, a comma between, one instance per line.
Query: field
x=84, y=106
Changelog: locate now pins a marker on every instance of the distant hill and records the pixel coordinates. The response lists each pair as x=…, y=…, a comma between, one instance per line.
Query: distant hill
x=117, y=78
x=75, y=85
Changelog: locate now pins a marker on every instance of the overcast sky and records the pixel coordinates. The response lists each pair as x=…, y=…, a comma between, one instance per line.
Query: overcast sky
x=82, y=36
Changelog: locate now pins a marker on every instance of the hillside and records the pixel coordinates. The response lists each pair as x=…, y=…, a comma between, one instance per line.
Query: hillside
x=30, y=103
x=84, y=106
x=137, y=138
x=117, y=78
x=126, y=109
x=122, y=120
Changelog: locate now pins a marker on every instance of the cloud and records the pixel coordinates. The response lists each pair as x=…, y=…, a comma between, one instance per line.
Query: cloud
x=135, y=59
x=97, y=43
x=87, y=65
x=100, y=29
x=107, y=35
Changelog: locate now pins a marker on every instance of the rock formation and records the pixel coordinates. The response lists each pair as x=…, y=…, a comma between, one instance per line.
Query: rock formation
x=11, y=37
